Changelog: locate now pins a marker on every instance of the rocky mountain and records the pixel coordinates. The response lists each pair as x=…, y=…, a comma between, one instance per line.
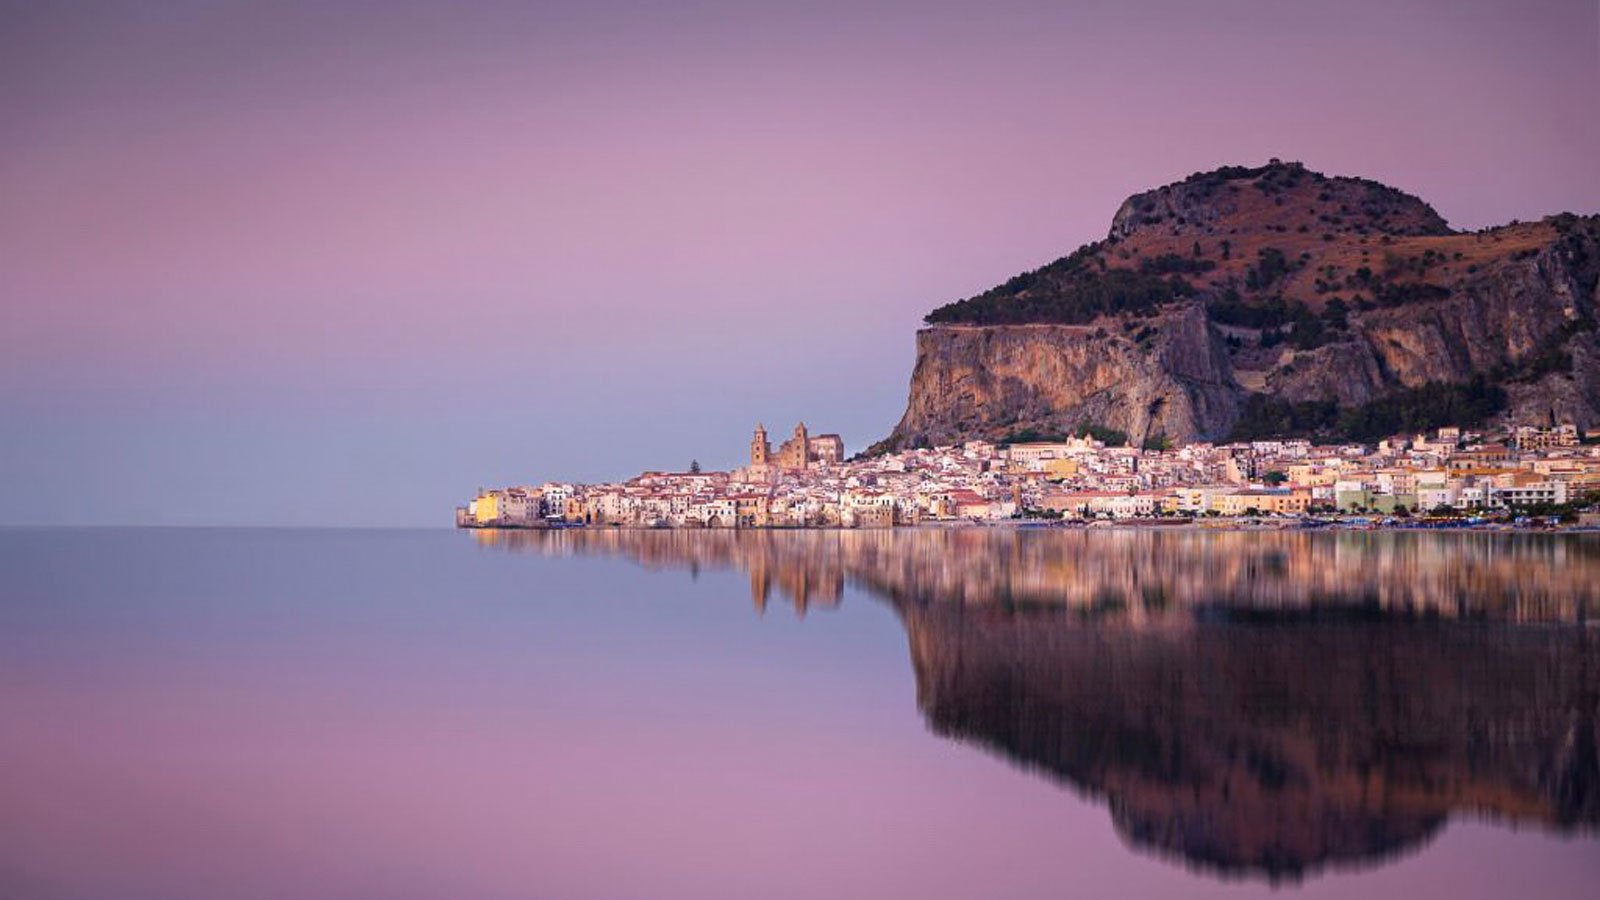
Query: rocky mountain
x=1272, y=301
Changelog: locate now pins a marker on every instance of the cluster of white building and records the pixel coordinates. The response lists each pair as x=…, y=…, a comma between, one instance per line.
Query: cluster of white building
x=1079, y=478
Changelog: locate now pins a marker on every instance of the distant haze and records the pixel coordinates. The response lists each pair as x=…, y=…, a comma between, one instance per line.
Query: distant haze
x=344, y=263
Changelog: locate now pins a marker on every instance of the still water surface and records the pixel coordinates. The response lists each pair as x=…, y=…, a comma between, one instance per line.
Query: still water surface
x=976, y=713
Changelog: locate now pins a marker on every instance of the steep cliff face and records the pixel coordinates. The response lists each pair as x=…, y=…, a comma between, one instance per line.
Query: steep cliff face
x=1493, y=323
x=1167, y=376
x=1220, y=300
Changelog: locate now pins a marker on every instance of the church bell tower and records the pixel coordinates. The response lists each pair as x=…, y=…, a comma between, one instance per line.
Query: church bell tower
x=760, y=449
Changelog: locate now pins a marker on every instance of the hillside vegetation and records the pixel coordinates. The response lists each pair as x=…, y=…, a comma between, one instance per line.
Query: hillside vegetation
x=1269, y=300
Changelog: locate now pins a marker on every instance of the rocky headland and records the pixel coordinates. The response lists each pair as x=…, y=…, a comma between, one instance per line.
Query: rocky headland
x=1272, y=301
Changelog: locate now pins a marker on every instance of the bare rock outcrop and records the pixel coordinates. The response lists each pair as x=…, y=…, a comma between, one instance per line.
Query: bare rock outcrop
x=1220, y=300
x=1166, y=377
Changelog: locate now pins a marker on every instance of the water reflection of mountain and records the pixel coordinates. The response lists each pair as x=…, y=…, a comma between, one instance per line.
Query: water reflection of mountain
x=1252, y=703
x=1277, y=748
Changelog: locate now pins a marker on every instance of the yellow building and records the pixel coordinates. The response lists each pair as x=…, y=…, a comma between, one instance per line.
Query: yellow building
x=485, y=508
x=1240, y=503
x=752, y=510
x=575, y=509
x=1060, y=468
x=1312, y=475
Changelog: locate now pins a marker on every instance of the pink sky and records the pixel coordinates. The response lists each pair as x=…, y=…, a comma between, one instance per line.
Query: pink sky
x=277, y=257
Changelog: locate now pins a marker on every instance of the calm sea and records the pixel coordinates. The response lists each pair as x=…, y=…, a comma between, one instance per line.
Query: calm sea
x=997, y=713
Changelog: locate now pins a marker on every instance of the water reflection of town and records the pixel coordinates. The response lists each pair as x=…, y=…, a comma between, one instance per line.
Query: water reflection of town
x=1135, y=575
x=1262, y=704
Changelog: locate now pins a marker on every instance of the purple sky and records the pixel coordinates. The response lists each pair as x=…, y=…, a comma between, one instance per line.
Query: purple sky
x=343, y=263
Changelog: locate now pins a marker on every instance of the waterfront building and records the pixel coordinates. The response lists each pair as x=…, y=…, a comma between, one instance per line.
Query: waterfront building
x=1529, y=493
x=1263, y=502
x=978, y=481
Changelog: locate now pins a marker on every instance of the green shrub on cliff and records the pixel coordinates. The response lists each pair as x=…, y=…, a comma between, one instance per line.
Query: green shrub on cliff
x=1170, y=263
x=1033, y=436
x=1270, y=268
x=1282, y=320
x=1074, y=290
x=1417, y=409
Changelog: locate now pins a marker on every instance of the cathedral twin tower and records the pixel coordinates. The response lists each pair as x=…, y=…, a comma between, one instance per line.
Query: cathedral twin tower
x=800, y=451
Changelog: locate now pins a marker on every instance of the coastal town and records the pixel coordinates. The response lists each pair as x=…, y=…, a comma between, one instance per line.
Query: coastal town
x=806, y=482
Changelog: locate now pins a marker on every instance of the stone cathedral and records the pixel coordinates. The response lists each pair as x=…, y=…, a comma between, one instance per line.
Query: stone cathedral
x=801, y=451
